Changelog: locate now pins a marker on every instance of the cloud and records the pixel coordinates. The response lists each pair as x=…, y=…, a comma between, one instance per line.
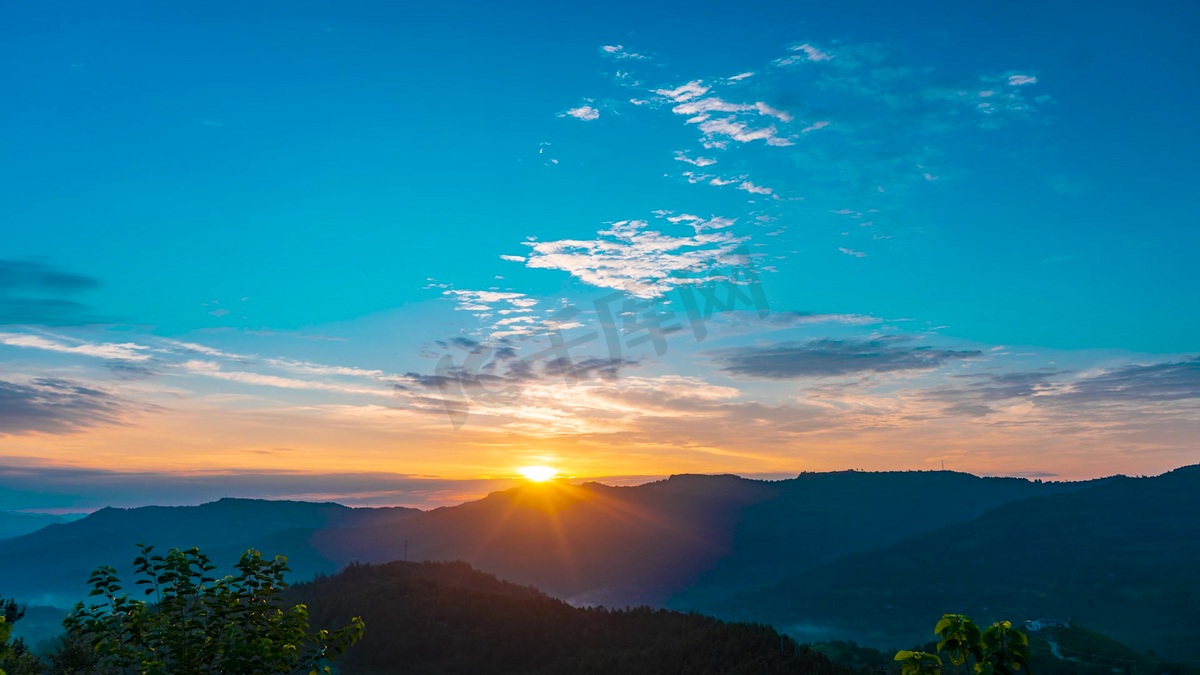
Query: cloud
x=216, y=371
x=30, y=293
x=309, y=368
x=583, y=112
x=738, y=119
x=755, y=189
x=56, y=406
x=851, y=252
x=811, y=53
x=978, y=391
x=644, y=263
x=684, y=92
x=832, y=358
x=798, y=318
x=126, y=351
x=1021, y=80
x=732, y=128
x=32, y=275
x=619, y=52
x=1155, y=382
x=681, y=156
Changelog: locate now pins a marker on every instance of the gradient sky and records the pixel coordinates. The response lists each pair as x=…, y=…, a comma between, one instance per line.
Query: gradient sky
x=325, y=249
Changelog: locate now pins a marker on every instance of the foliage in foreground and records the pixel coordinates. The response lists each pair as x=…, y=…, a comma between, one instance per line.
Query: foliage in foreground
x=198, y=624
x=998, y=650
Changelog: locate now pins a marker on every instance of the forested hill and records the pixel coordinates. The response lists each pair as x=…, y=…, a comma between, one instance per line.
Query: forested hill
x=449, y=619
x=52, y=565
x=1122, y=557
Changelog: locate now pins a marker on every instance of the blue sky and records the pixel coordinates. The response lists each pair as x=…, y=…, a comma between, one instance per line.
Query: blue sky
x=241, y=239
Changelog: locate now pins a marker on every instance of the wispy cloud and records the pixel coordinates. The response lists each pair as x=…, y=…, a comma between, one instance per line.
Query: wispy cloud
x=216, y=371
x=31, y=293
x=806, y=52
x=642, y=262
x=681, y=156
x=620, y=52
x=125, y=351
x=56, y=406
x=832, y=358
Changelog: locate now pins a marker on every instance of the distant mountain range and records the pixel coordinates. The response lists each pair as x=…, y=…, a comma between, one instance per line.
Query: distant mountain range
x=13, y=524
x=51, y=566
x=876, y=557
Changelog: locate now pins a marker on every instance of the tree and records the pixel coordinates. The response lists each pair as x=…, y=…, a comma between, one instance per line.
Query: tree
x=15, y=658
x=198, y=624
x=999, y=650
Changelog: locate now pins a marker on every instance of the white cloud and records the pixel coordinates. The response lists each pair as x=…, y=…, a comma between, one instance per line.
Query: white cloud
x=1019, y=80
x=700, y=224
x=310, y=368
x=583, y=112
x=814, y=126
x=804, y=53
x=852, y=252
x=755, y=189
x=812, y=53
x=681, y=156
x=619, y=52
x=686, y=92
x=741, y=76
x=764, y=109
x=644, y=263
x=213, y=370
x=513, y=258
x=739, y=131
x=125, y=351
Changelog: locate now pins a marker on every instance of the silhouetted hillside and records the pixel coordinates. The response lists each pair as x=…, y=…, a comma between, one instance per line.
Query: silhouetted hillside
x=695, y=538
x=1122, y=557
x=447, y=618
x=632, y=545
x=820, y=517
x=51, y=566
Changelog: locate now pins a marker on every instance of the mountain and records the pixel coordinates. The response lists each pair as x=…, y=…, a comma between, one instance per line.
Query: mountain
x=820, y=517
x=690, y=537
x=449, y=619
x=589, y=543
x=1122, y=557
x=684, y=542
x=51, y=566
x=13, y=524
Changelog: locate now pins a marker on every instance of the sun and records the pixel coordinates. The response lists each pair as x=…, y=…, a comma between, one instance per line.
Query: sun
x=538, y=474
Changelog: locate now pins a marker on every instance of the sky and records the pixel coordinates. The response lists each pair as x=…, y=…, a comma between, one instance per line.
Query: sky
x=390, y=253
